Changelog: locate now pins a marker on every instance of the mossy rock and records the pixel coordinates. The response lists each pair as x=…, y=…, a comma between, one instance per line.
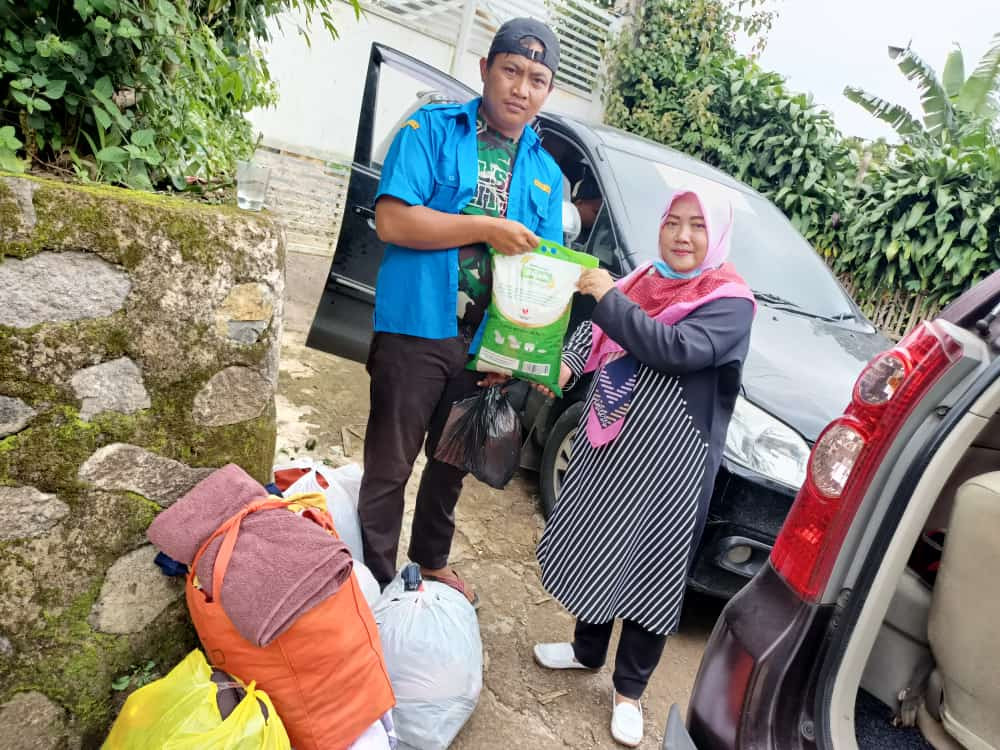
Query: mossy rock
x=53, y=582
x=75, y=666
x=110, y=221
x=182, y=259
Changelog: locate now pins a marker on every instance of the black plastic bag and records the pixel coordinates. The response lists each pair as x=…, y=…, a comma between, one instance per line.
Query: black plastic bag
x=483, y=436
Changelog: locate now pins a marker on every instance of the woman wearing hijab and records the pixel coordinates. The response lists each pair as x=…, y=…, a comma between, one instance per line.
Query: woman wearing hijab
x=667, y=344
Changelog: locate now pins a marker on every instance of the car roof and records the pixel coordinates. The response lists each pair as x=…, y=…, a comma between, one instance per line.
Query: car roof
x=648, y=149
x=636, y=145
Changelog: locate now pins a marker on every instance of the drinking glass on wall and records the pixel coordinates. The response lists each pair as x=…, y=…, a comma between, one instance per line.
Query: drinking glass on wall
x=251, y=185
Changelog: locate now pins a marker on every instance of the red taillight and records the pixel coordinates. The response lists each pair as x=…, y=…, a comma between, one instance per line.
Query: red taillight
x=849, y=451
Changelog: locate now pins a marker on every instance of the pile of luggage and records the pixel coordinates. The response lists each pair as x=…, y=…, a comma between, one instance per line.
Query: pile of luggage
x=301, y=648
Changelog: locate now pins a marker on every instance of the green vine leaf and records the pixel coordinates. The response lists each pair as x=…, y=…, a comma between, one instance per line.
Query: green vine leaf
x=55, y=89
x=112, y=154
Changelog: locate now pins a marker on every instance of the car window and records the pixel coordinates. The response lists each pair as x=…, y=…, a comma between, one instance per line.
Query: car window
x=603, y=243
x=774, y=259
x=581, y=188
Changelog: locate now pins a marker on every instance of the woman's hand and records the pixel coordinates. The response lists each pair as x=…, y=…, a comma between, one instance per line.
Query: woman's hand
x=564, y=375
x=596, y=282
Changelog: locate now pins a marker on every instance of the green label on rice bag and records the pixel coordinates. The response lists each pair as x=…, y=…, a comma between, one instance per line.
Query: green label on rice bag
x=529, y=311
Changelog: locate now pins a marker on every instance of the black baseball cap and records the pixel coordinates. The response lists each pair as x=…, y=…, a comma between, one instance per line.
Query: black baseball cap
x=508, y=39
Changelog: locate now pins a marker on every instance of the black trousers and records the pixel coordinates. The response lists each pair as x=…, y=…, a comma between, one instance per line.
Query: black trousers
x=639, y=652
x=414, y=382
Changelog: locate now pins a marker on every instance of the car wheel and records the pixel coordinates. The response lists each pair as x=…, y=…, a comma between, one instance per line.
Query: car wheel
x=555, y=457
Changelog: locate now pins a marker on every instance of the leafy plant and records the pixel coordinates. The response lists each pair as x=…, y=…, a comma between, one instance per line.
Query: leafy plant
x=922, y=217
x=953, y=106
x=928, y=218
x=927, y=221
x=9, y=146
x=138, y=675
x=980, y=93
x=141, y=93
x=677, y=78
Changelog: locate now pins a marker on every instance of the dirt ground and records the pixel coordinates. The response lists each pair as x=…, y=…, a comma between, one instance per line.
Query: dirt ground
x=323, y=398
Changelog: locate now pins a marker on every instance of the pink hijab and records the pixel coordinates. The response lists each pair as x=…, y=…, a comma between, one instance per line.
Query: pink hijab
x=673, y=298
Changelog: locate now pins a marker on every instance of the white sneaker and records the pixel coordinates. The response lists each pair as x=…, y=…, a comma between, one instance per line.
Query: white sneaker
x=556, y=656
x=626, y=722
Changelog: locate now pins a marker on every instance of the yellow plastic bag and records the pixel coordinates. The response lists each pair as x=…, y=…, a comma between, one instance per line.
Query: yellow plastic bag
x=179, y=712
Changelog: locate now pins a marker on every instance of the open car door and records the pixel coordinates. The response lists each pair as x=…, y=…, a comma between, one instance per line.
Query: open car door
x=396, y=86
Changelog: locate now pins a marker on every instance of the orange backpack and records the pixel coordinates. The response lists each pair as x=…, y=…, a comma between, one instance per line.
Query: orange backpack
x=325, y=675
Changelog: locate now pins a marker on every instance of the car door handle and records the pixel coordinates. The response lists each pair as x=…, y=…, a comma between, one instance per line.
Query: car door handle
x=366, y=213
x=355, y=285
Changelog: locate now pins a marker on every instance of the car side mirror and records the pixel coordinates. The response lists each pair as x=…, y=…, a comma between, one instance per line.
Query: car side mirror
x=572, y=224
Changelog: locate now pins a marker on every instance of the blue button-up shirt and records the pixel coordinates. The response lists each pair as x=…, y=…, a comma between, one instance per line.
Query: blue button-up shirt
x=434, y=162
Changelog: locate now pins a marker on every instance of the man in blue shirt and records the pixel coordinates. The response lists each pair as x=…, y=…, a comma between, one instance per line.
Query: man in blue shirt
x=457, y=178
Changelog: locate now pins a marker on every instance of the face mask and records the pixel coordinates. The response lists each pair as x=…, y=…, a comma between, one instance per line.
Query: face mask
x=669, y=273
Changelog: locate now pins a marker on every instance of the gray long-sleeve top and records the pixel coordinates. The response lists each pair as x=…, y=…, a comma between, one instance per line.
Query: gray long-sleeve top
x=704, y=351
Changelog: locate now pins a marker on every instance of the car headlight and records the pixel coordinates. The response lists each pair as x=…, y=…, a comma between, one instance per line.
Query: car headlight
x=759, y=442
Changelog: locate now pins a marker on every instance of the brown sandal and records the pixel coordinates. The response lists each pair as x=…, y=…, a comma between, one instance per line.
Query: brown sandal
x=457, y=583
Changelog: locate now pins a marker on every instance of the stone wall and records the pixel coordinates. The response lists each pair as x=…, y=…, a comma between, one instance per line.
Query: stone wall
x=139, y=341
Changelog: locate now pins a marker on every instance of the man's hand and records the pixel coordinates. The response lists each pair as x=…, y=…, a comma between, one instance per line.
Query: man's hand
x=492, y=378
x=510, y=237
x=596, y=282
x=423, y=228
x=564, y=375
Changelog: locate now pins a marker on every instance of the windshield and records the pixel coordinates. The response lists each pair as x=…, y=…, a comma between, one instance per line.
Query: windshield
x=776, y=261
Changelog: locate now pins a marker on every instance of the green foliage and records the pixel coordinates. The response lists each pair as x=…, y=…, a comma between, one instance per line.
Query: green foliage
x=928, y=217
x=134, y=92
x=137, y=676
x=954, y=106
x=924, y=217
x=9, y=146
x=895, y=115
x=939, y=116
x=980, y=94
x=927, y=220
x=678, y=79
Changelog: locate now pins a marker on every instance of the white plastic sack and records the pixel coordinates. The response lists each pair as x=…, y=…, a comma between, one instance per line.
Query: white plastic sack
x=369, y=586
x=374, y=738
x=349, y=478
x=342, y=502
x=341, y=498
x=434, y=654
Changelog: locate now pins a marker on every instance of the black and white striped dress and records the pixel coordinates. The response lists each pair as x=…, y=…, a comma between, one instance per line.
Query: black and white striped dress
x=619, y=539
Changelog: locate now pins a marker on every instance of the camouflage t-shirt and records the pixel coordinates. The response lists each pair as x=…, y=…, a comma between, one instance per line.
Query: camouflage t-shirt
x=475, y=276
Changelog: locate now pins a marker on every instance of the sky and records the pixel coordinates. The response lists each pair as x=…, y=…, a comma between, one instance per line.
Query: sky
x=820, y=46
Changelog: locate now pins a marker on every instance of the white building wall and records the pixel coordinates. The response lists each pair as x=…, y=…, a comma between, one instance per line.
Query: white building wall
x=320, y=86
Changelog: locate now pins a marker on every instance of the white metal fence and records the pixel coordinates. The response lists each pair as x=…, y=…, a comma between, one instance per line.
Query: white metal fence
x=582, y=26
x=307, y=196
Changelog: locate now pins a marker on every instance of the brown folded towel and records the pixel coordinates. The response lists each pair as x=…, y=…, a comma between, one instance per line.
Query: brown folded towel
x=282, y=564
x=181, y=529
